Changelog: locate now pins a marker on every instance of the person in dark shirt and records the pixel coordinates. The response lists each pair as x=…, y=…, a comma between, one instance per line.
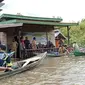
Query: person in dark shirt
x=27, y=43
x=49, y=44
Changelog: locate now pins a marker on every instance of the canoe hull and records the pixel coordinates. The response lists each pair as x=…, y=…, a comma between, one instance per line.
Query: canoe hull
x=79, y=53
x=22, y=69
x=54, y=54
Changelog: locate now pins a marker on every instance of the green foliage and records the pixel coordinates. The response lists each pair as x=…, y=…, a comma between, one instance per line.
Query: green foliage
x=77, y=33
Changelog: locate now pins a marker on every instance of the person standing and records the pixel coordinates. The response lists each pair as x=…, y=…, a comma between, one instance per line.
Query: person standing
x=14, y=47
x=34, y=47
x=22, y=44
x=16, y=38
x=27, y=43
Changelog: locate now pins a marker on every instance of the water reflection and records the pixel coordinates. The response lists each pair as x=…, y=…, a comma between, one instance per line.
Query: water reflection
x=54, y=71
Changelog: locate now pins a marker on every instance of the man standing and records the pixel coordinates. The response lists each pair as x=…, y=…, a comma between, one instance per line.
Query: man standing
x=27, y=43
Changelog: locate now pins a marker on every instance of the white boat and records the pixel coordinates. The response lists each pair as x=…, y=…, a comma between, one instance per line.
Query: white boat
x=23, y=65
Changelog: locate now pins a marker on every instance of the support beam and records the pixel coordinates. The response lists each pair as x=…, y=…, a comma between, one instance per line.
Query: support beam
x=19, y=34
x=68, y=29
x=47, y=36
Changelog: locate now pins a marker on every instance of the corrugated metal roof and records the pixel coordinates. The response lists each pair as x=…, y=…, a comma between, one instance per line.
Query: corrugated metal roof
x=58, y=33
x=11, y=16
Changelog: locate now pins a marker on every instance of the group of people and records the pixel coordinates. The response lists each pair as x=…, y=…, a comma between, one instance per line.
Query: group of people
x=22, y=44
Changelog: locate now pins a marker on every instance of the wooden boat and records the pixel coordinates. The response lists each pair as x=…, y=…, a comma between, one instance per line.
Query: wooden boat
x=21, y=66
x=54, y=54
x=78, y=53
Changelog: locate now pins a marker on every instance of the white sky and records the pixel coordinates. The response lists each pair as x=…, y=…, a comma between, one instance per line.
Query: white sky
x=69, y=10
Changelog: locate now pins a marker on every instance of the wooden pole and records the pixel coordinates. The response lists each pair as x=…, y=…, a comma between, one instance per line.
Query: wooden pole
x=19, y=33
x=47, y=36
x=68, y=29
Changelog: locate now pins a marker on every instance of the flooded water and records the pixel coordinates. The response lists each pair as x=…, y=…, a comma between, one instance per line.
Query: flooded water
x=53, y=71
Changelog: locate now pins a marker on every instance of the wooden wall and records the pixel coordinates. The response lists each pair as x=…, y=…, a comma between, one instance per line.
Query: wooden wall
x=28, y=28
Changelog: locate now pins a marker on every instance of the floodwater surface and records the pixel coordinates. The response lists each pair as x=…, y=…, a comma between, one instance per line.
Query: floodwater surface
x=53, y=71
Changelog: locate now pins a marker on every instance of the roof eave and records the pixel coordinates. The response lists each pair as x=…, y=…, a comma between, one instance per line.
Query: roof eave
x=39, y=22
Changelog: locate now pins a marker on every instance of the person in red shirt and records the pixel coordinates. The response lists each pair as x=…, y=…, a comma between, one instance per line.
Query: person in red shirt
x=57, y=42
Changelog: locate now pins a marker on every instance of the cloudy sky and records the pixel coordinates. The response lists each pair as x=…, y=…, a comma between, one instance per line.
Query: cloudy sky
x=69, y=10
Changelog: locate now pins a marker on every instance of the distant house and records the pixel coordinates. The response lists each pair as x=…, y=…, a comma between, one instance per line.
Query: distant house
x=59, y=34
